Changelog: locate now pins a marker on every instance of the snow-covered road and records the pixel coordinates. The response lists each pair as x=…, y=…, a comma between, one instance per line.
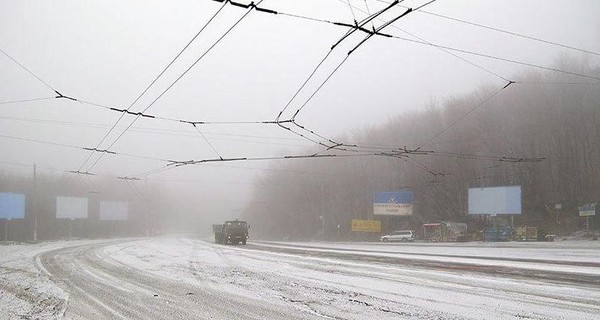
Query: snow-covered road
x=183, y=278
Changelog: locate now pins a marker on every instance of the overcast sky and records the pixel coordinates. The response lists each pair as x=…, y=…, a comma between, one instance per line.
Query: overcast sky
x=108, y=52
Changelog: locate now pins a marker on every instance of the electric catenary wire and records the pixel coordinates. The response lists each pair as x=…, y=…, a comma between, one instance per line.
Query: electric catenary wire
x=127, y=110
x=376, y=31
x=207, y=141
x=489, y=56
x=512, y=33
x=95, y=150
x=29, y=71
x=26, y=100
x=179, y=78
x=140, y=114
x=466, y=114
x=353, y=28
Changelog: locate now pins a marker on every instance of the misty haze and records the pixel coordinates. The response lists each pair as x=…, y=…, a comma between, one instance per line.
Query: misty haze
x=317, y=159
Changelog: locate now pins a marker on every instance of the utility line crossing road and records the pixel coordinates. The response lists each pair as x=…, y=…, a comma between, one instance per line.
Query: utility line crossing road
x=184, y=278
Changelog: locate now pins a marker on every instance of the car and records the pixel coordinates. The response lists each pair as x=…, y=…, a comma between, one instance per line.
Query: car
x=400, y=235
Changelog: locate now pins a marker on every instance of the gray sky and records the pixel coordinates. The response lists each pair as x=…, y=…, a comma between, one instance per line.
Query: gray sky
x=108, y=52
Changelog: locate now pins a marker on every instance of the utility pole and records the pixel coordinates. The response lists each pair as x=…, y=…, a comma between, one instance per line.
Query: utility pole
x=35, y=216
x=322, y=213
x=146, y=205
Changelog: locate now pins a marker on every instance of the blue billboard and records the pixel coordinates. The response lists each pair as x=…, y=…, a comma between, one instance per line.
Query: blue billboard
x=394, y=203
x=587, y=210
x=12, y=206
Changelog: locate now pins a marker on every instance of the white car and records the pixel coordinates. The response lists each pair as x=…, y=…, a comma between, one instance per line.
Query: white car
x=401, y=235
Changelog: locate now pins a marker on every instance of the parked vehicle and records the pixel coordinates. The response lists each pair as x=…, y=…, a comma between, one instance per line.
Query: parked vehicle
x=445, y=232
x=231, y=232
x=400, y=235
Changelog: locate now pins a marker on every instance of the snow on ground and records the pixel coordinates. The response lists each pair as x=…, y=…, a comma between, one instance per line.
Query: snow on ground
x=577, y=257
x=26, y=292
x=336, y=280
x=582, y=251
x=345, y=289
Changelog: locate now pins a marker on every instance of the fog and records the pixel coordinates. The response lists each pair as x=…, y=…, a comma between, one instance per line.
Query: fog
x=108, y=52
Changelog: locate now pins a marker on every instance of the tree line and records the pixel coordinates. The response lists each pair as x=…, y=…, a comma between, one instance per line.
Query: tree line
x=541, y=132
x=42, y=191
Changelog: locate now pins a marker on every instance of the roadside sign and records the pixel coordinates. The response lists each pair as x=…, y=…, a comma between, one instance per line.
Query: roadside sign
x=397, y=203
x=71, y=208
x=113, y=210
x=495, y=200
x=587, y=210
x=12, y=206
x=366, y=225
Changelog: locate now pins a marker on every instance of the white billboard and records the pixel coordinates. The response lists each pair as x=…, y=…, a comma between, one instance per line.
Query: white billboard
x=71, y=208
x=113, y=210
x=495, y=200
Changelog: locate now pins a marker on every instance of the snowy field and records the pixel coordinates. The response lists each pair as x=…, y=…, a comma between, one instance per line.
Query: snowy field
x=182, y=278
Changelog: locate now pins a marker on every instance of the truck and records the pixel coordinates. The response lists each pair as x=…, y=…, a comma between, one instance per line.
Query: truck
x=445, y=231
x=231, y=232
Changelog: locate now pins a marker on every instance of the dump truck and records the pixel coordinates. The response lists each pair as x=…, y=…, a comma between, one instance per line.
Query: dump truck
x=231, y=232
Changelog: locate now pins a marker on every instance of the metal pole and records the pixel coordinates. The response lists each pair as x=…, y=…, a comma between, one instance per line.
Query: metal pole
x=35, y=217
x=70, y=228
x=323, y=227
x=145, y=199
x=322, y=213
x=6, y=229
x=587, y=223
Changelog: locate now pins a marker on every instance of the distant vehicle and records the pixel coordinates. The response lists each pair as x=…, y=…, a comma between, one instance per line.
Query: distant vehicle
x=401, y=235
x=445, y=231
x=231, y=232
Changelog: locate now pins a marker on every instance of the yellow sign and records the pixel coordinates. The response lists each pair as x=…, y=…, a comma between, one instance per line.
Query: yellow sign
x=366, y=225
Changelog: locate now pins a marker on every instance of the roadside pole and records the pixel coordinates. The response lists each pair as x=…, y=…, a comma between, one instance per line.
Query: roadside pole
x=35, y=217
x=146, y=205
x=587, y=223
x=71, y=228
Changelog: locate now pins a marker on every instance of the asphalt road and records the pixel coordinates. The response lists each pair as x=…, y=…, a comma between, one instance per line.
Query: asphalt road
x=182, y=278
x=437, y=262
x=102, y=288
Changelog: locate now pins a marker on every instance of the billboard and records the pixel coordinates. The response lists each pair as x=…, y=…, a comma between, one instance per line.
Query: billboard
x=12, y=206
x=71, y=208
x=113, y=210
x=495, y=200
x=396, y=203
x=366, y=225
x=587, y=210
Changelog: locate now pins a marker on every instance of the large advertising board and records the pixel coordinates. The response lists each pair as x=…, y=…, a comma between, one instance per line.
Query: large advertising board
x=395, y=203
x=71, y=208
x=587, y=210
x=113, y=210
x=366, y=225
x=495, y=200
x=12, y=206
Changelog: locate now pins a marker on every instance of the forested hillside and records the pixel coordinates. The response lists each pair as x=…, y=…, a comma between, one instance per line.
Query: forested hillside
x=541, y=132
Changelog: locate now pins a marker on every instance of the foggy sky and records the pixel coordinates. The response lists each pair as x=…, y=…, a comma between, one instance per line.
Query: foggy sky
x=107, y=52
